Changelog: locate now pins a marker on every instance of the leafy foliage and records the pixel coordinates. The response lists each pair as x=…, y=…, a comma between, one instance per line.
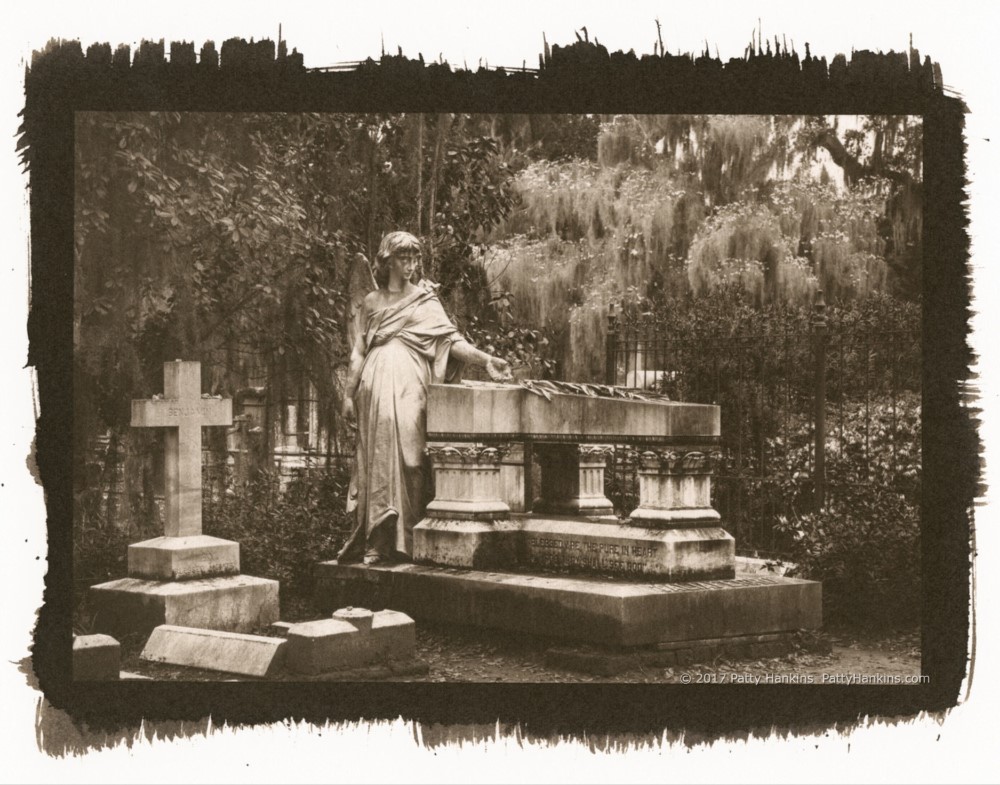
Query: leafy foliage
x=758, y=364
x=865, y=548
x=283, y=533
x=225, y=238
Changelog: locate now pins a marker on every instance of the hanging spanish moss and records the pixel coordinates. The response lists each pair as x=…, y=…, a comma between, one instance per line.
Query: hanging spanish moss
x=692, y=204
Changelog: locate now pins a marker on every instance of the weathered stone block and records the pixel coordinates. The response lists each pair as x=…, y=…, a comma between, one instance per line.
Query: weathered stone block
x=229, y=652
x=612, y=547
x=96, y=658
x=465, y=543
x=281, y=627
x=238, y=603
x=337, y=644
x=395, y=634
x=325, y=645
x=183, y=558
x=598, y=545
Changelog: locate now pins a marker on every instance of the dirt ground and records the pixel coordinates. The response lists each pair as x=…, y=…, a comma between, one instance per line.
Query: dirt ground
x=472, y=656
x=469, y=655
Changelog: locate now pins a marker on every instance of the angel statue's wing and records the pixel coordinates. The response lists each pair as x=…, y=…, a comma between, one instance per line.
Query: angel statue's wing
x=360, y=282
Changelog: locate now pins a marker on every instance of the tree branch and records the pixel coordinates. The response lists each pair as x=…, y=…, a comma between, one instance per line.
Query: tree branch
x=854, y=170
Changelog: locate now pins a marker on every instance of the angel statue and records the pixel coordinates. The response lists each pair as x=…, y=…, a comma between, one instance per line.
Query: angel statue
x=401, y=341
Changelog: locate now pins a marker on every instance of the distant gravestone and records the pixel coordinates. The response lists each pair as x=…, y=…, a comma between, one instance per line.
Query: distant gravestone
x=184, y=577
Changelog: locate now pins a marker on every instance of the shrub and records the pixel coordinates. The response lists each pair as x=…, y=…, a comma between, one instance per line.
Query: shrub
x=283, y=533
x=865, y=548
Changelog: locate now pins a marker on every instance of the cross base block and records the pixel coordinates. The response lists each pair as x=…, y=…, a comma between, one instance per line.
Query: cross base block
x=236, y=603
x=183, y=558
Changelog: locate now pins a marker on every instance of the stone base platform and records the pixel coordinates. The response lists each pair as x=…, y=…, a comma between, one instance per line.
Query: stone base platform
x=234, y=603
x=610, y=613
x=575, y=544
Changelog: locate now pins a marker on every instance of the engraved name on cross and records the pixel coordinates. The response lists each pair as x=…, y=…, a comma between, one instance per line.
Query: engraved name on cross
x=183, y=411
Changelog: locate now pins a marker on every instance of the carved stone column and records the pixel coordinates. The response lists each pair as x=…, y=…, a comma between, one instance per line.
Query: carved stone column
x=675, y=489
x=573, y=479
x=467, y=482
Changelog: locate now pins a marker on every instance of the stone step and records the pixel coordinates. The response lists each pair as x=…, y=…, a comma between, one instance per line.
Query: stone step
x=614, y=613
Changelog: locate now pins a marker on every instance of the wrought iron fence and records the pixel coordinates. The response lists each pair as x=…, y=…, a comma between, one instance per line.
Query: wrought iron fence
x=814, y=403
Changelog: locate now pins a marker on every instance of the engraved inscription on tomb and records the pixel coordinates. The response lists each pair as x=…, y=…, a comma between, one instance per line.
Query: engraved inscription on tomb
x=595, y=555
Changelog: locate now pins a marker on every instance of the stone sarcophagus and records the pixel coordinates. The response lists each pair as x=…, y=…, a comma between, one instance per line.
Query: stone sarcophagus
x=567, y=522
x=504, y=546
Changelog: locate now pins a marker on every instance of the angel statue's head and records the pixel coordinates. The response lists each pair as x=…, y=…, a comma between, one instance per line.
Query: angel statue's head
x=397, y=246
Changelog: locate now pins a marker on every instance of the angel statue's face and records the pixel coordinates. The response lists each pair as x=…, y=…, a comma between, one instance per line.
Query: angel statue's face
x=404, y=263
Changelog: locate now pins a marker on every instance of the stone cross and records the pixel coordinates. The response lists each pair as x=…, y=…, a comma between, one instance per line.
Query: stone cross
x=183, y=411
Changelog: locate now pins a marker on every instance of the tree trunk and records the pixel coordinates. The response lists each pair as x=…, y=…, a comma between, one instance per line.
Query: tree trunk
x=443, y=123
x=420, y=173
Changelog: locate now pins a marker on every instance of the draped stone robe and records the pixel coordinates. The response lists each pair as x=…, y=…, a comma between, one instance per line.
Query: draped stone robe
x=407, y=347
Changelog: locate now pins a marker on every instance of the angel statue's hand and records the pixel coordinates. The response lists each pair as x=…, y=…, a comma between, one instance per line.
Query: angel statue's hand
x=499, y=369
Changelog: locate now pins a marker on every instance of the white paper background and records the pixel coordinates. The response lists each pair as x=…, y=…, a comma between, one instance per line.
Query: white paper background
x=958, y=35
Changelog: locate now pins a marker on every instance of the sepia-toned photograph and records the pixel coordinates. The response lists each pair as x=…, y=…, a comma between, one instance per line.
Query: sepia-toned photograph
x=507, y=398
x=480, y=395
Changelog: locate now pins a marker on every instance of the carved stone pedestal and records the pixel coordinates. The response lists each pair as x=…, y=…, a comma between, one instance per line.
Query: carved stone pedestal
x=675, y=494
x=675, y=489
x=466, y=523
x=467, y=483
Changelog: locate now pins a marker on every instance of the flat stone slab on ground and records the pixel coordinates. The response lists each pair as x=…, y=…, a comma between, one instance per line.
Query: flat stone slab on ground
x=236, y=603
x=354, y=638
x=96, y=658
x=614, y=613
x=229, y=652
x=183, y=558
